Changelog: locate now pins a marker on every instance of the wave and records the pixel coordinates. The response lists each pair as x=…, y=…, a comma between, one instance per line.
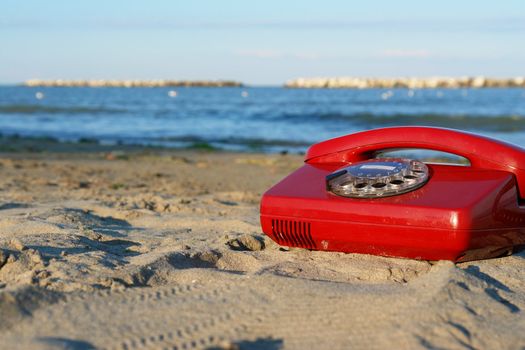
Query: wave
x=42, y=109
x=253, y=143
x=175, y=142
x=497, y=123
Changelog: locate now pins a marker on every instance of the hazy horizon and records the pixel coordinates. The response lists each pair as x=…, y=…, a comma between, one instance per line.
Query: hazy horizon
x=259, y=43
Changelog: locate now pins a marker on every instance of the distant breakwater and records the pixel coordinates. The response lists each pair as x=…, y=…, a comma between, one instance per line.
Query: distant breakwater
x=132, y=83
x=410, y=83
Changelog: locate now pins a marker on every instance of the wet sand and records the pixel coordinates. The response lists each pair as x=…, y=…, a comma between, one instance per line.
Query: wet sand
x=148, y=248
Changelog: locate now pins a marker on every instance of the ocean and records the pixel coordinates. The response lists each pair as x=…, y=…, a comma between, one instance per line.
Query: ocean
x=263, y=119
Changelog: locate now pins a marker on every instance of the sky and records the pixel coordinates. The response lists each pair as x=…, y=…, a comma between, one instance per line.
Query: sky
x=259, y=42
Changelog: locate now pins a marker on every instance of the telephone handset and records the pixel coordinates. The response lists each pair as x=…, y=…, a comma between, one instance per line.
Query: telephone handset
x=482, y=152
x=344, y=199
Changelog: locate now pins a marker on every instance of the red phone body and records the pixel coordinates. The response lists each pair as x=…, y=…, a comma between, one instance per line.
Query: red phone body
x=462, y=213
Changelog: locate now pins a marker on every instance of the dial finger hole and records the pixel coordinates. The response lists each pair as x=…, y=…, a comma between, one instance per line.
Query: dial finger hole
x=397, y=182
x=379, y=185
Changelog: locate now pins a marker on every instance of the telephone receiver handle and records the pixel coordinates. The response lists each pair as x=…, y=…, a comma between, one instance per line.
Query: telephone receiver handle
x=482, y=152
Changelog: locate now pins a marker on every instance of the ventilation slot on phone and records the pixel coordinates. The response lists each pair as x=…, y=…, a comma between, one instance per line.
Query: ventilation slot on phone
x=293, y=233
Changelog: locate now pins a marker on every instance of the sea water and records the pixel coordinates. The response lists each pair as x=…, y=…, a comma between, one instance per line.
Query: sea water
x=267, y=119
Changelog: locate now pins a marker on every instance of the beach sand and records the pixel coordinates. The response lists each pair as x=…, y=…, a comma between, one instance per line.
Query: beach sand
x=163, y=249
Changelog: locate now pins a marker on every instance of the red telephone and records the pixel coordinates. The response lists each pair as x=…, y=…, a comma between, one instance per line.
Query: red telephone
x=344, y=199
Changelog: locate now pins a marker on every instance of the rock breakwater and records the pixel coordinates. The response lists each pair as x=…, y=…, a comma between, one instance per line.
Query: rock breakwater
x=132, y=83
x=410, y=83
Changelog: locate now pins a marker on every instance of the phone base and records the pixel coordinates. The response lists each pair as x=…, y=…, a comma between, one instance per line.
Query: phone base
x=416, y=243
x=461, y=214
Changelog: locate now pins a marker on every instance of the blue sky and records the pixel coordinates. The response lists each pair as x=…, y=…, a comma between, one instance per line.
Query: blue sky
x=263, y=42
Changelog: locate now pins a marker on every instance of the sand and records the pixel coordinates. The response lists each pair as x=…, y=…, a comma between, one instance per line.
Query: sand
x=150, y=249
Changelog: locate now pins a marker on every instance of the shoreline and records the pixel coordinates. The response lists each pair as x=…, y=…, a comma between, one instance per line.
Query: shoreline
x=15, y=143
